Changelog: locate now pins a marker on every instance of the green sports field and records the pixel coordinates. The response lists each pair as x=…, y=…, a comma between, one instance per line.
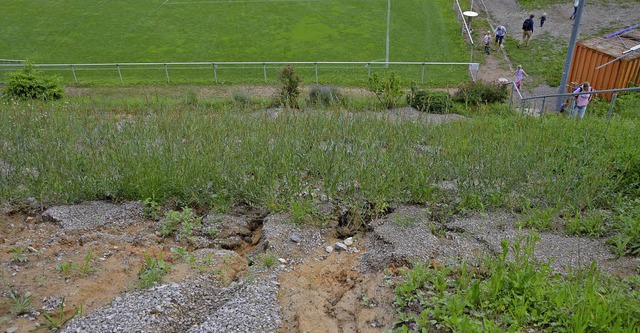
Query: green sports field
x=118, y=31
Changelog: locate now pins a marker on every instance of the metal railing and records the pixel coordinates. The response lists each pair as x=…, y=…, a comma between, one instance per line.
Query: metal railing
x=198, y=70
x=533, y=107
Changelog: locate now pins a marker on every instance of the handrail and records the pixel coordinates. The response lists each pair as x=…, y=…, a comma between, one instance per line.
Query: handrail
x=582, y=93
x=252, y=63
x=544, y=97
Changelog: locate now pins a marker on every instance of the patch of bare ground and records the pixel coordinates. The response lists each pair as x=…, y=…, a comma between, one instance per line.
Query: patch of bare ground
x=345, y=290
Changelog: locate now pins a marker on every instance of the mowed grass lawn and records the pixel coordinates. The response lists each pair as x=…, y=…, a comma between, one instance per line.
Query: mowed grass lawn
x=118, y=31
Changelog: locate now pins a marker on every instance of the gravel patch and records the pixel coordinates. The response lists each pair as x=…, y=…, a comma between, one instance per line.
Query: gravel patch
x=288, y=240
x=562, y=252
x=95, y=214
x=402, y=236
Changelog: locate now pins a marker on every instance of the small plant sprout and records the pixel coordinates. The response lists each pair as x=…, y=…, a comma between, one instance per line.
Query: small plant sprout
x=20, y=302
x=18, y=255
x=57, y=320
x=65, y=268
x=85, y=268
x=268, y=259
x=152, y=271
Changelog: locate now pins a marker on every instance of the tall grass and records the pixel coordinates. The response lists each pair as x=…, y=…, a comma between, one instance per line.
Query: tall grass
x=514, y=296
x=69, y=152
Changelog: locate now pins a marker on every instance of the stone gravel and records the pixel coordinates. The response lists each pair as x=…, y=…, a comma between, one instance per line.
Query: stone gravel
x=94, y=214
x=197, y=305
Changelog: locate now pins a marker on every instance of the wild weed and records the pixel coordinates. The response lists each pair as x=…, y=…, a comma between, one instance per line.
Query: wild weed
x=85, y=268
x=152, y=271
x=20, y=302
x=267, y=259
x=515, y=295
x=185, y=223
x=55, y=321
x=18, y=255
x=65, y=268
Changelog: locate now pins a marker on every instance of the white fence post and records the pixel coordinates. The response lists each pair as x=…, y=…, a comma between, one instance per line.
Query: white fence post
x=75, y=79
x=166, y=71
x=264, y=69
x=120, y=74
x=315, y=64
x=215, y=72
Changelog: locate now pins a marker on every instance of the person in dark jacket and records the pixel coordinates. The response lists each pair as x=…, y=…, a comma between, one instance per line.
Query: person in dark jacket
x=527, y=30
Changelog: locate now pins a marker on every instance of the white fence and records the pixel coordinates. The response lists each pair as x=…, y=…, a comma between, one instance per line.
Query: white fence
x=246, y=72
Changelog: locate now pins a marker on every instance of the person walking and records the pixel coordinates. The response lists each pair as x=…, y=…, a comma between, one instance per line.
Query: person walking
x=581, y=100
x=500, y=32
x=542, y=19
x=527, y=30
x=576, y=3
x=519, y=74
x=487, y=42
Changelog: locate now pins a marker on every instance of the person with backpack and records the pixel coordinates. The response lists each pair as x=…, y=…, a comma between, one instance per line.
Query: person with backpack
x=527, y=30
x=581, y=100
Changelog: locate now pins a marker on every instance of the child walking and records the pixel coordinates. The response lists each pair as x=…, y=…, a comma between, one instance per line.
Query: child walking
x=487, y=42
x=519, y=74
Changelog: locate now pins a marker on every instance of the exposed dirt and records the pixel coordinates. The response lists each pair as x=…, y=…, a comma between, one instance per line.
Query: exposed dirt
x=319, y=292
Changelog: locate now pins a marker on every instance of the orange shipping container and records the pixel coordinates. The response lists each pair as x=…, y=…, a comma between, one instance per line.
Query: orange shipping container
x=607, y=63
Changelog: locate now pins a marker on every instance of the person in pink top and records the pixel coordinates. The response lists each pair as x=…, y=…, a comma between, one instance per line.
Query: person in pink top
x=519, y=74
x=581, y=100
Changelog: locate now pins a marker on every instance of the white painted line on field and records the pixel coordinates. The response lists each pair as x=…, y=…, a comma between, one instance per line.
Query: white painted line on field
x=388, y=27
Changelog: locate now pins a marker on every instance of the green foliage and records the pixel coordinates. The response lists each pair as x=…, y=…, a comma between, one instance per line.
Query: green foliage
x=18, y=255
x=152, y=271
x=56, y=321
x=480, y=92
x=65, y=268
x=626, y=225
x=539, y=219
x=592, y=224
x=627, y=105
x=242, y=100
x=85, y=268
x=184, y=224
x=388, y=90
x=29, y=84
x=151, y=208
x=20, y=302
x=514, y=295
x=323, y=95
x=289, y=87
x=267, y=259
x=430, y=101
x=626, y=173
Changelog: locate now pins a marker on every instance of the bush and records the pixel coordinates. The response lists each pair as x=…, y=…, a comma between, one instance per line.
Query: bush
x=480, y=92
x=324, y=95
x=388, y=90
x=29, y=84
x=290, y=87
x=430, y=101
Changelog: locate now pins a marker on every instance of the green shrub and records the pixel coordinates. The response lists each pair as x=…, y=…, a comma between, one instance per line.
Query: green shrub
x=324, y=95
x=242, y=99
x=289, y=92
x=480, y=92
x=388, y=90
x=29, y=84
x=430, y=101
